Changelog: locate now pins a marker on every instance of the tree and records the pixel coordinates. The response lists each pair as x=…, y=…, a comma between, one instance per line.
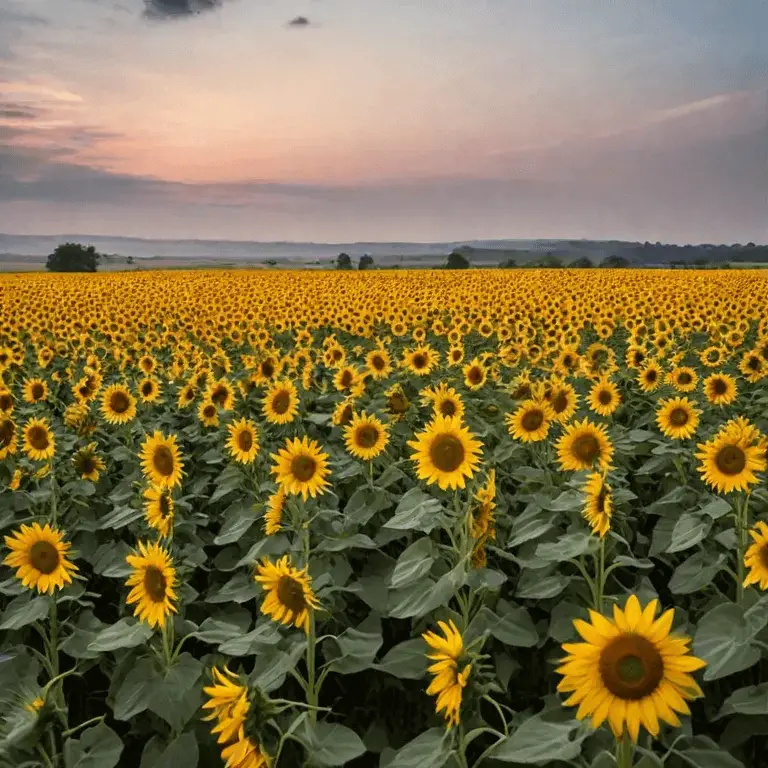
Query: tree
x=457, y=261
x=129, y=260
x=343, y=261
x=550, y=261
x=614, y=262
x=72, y=257
x=366, y=262
x=581, y=263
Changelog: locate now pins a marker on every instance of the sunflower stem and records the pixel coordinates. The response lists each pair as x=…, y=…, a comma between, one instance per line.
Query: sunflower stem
x=54, y=505
x=742, y=538
x=600, y=578
x=311, y=688
x=461, y=752
x=370, y=473
x=166, y=645
x=624, y=752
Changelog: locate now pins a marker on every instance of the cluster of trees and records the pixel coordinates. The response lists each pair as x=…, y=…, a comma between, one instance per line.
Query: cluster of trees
x=343, y=261
x=73, y=257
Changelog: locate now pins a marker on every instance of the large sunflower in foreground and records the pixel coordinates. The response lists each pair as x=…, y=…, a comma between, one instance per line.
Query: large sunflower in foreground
x=530, y=422
x=448, y=681
x=159, y=509
x=289, y=597
x=598, y=508
x=729, y=461
x=301, y=467
x=756, y=557
x=365, y=437
x=39, y=555
x=677, y=418
x=39, y=442
x=118, y=405
x=153, y=581
x=445, y=453
x=584, y=446
x=281, y=402
x=243, y=441
x=161, y=460
x=630, y=671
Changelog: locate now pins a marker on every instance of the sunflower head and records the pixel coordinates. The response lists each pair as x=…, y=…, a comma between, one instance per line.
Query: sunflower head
x=39, y=555
x=289, y=598
x=366, y=437
x=161, y=460
x=153, y=583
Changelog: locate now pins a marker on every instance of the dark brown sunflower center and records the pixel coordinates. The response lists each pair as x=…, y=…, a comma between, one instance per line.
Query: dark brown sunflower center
x=219, y=395
x=346, y=415
x=267, y=369
x=651, y=376
x=731, y=460
x=447, y=453
x=447, y=408
x=147, y=388
x=38, y=438
x=638, y=358
x=559, y=402
x=605, y=397
x=601, y=499
x=336, y=355
x=678, y=417
x=6, y=401
x=209, y=411
x=397, y=403
x=532, y=419
x=7, y=431
x=38, y=390
x=568, y=361
x=367, y=436
x=719, y=387
x=189, y=394
x=523, y=391
x=163, y=461
x=419, y=361
x=44, y=556
x=155, y=584
x=291, y=594
x=586, y=448
x=456, y=355
x=87, y=464
x=119, y=402
x=245, y=440
x=281, y=402
x=753, y=363
x=631, y=667
x=475, y=375
x=346, y=378
x=378, y=363
x=684, y=378
x=303, y=468
x=164, y=505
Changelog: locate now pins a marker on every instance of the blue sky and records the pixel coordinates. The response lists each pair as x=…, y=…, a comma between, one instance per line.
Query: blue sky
x=385, y=119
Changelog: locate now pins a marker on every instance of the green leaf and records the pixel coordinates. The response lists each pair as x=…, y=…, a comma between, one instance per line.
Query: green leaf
x=531, y=524
x=567, y=501
x=330, y=743
x=177, y=696
x=119, y=517
x=723, y=641
x=239, y=589
x=389, y=476
x=97, y=747
x=430, y=749
x=696, y=573
x=565, y=548
x=135, y=692
x=227, y=627
x=689, y=530
x=182, y=752
x=238, y=519
x=357, y=650
x=514, y=626
x=24, y=610
x=752, y=700
x=125, y=633
x=417, y=511
x=706, y=753
x=716, y=508
x=341, y=543
x=407, y=660
x=418, y=601
x=534, y=585
x=264, y=636
x=540, y=741
x=413, y=564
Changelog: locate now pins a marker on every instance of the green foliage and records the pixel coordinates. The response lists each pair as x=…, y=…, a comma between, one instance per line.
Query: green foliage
x=72, y=257
x=457, y=260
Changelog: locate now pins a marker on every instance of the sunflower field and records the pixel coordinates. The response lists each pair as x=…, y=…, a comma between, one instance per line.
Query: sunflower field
x=405, y=519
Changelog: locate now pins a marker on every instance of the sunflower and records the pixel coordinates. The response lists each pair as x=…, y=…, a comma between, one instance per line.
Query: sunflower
x=604, y=397
x=475, y=375
x=15, y=481
x=584, y=446
x=35, y=390
x=729, y=461
x=483, y=520
x=39, y=555
x=161, y=460
x=455, y=355
x=683, y=379
x=677, y=418
x=149, y=390
x=445, y=453
x=222, y=393
x=397, y=403
x=630, y=671
x=421, y=360
x=228, y=698
x=153, y=581
x=289, y=597
x=159, y=509
x=563, y=402
x=366, y=437
x=208, y=413
x=8, y=436
x=6, y=401
x=273, y=517
x=753, y=367
x=756, y=557
x=346, y=378
x=650, y=376
x=599, y=504
x=445, y=400
x=448, y=682
x=88, y=464
x=243, y=441
x=720, y=389
x=301, y=467
x=39, y=442
x=118, y=405
x=343, y=412
x=530, y=422
x=378, y=363
x=186, y=396
x=281, y=402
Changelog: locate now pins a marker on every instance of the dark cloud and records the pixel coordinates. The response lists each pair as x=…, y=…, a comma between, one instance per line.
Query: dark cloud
x=299, y=21
x=170, y=9
x=18, y=111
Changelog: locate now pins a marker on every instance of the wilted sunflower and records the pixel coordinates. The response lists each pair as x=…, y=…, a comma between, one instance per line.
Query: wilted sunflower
x=289, y=597
x=273, y=517
x=756, y=557
x=729, y=461
x=301, y=467
x=161, y=460
x=88, y=464
x=650, y=376
x=530, y=422
x=208, y=413
x=448, y=682
x=604, y=397
x=445, y=453
x=153, y=581
x=365, y=437
x=630, y=671
x=281, y=402
x=584, y=446
x=39, y=442
x=8, y=436
x=35, y=390
x=118, y=405
x=475, y=375
x=379, y=363
x=683, y=379
x=598, y=509
x=159, y=509
x=149, y=390
x=243, y=441
x=720, y=389
x=39, y=556
x=677, y=418
x=397, y=403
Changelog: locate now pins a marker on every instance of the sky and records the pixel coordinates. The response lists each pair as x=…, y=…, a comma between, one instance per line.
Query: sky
x=380, y=120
